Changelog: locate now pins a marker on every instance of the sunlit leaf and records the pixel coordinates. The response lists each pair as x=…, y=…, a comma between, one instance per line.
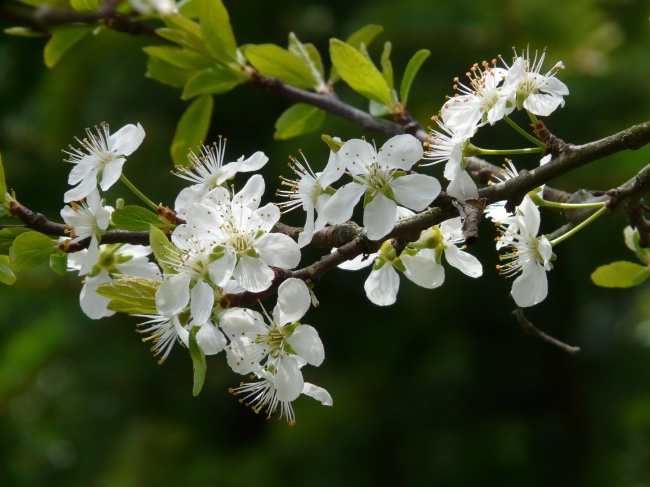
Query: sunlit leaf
x=7, y=237
x=198, y=362
x=131, y=294
x=137, y=219
x=6, y=274
x=412, y=68
x=364, y=36
x=276, y=62
x=215, y=80
x=217, y=31
x=30, y=249
x=62, y=41
x=298, y=119
x=192, y=128
x=620, y=274
x=59, y=263
x=162, y=249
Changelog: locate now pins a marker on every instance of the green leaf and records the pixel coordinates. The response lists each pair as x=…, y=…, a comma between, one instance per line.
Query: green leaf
x=131, y=294
x=184, y=32
x=192, y=128
x=358, y=72
x=62, y=41
x=7, y=237
x=217, y=31
x=179, y=58
x=166, y=73
x=163, y=249
x=198, y=362
x=310, y=56
x=620, y=274
x=387, y=66
x=137, y=219
x=215, y=80
x=84, y=5
x=275, y=62
x=59, y=263
x=46, y=3
x=631, y=237
x=363, y=36
x=6, y=274
x=412, y=68
x=30, y=249
x=189, y=9
x=298, y=119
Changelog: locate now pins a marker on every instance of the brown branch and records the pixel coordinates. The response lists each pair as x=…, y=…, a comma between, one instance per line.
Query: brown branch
x=530, y=328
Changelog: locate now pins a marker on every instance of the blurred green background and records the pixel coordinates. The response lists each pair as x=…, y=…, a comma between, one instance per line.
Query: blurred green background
x=443, y=388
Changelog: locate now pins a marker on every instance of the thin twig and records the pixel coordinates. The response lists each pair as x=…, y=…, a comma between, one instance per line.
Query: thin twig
x=530, y=328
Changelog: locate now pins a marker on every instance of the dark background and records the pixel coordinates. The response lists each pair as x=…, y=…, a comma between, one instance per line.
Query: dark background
x=443, y=388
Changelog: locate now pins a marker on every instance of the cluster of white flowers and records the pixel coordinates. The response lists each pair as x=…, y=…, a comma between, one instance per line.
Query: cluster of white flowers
x=226, y=243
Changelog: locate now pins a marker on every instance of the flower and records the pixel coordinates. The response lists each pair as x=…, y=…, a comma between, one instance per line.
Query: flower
x=207, y=171
x=100, y=159
x=161, y=7
x=242, y=246
x=113, y=259
x=538, y=93
x=381, y=176
x=89, y=219
x=529, y=255
x=310, y=192
x=264, y=395
x=483, y=101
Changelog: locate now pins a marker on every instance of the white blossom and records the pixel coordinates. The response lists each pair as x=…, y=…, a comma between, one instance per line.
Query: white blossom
x=100, y=159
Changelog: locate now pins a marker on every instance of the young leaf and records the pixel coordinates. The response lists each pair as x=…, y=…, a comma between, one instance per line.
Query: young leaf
x=179, y=58
x=184, y=32
x=3, y=182
x=386, y=65
x=6, y=274
x=631, y=237
x=620, y=274
x=363, y=36
x=137, y=219
x=192, y=128
x=190, y=9
x=358, y=72
x=7, y=237
x=198, y=362
x=166, y=73
x=30, y=249
x=131, y=294
x=275, y=62
x=62, y=41
x=412, y=69
x=84, y=5
x=298, y=119
x=162, y=249
x=309, y=55
x=217, y=31
x=59, y=263
x=23, y=32
x=215, y=80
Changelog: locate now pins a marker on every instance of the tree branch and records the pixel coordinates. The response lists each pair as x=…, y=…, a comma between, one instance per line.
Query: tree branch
x=530, y=328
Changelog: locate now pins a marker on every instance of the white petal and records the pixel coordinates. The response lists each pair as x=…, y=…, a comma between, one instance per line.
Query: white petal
x=202, y=301
x=379, y=216
x=126, y=140
x=341, y=205
x=140, y=267
x=333, y=170
x=92, y=304
x=253, y=274
x=278, y=250
x=462, y=187
x=210, y=339
x=251, y=194
x=84, y=188
x=243, y=322
x=531, y=287
x=356, y=154
x=423, y=271
x=400, y=152
x=415, y=191
x=382, y=286
x=293, y=302
x=173, y=294
x=91, y=257
x=187, y=197
x=308, y=345
x=268, y=216
x=221, y=270
x=359, y=262
x=464, y=262
x=111, y=173
x=317, y=393
x=288, y=381
x=82, y=170
x=253, y=163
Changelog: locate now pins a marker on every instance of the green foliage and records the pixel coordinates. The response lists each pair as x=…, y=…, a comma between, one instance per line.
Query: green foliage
x=137, y=219
x=3, y=182
x=131, y=294
x=620, y=274
x=219, y=36
x=276, y=62
x=46, y=3
x=297, y=120
x=84, y=5
x=59, y=263
x=631, y=237
x=412, y=68
x=215, y=80
x=6, y=274
x=7, y=237
x=363, y=36
x=184, y=32
x=166, y=73
x=360, y=73
x=62, y=41
x=30, y=249
x=23, y=32
x=309, y=55
x=162, y=249
x=387, y=66
x=192, y=128
x=198, y=362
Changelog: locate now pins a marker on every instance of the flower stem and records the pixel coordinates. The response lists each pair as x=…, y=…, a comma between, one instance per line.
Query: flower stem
x=535, y=141
x=533, y=118
x=586, y=222
x=137, y=192
x=498, y=152
x=564, y=206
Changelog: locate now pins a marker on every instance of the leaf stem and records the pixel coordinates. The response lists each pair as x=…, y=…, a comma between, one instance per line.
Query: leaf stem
x=137, y=192
x=530, y=137
x=576, y=229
